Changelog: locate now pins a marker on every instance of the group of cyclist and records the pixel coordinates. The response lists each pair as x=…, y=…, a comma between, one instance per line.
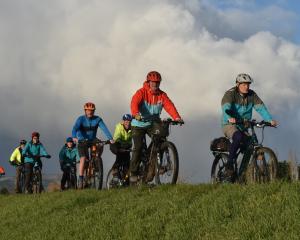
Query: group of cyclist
x=146, y=106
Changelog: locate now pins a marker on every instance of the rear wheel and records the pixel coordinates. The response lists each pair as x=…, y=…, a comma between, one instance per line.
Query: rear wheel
x=218, y=170
x=22, y=181
x=167, y=164
x=263, y=165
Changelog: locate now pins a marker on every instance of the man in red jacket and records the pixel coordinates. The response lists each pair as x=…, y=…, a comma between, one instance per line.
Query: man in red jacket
x=146, y=106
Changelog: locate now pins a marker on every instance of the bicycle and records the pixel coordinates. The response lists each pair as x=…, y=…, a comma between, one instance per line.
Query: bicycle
x=71, y=170
x=21, y=182
x=160, y=159
x=259, y=163
x=93, y=167
x=120, y=178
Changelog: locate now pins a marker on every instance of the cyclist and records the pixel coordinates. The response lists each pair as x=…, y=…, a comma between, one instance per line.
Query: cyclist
x=84, y=133
x=240, y=101
x=67, y=155
x=17, y=160
x=146, y=106
x=32, y=153
x=123, y=143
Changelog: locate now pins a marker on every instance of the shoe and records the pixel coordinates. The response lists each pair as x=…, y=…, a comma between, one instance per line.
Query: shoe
x=133, y=180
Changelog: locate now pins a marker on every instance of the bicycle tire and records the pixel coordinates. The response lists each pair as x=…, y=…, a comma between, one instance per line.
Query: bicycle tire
x=218, y=171
x=163, y=167
x=98, y=173
x=264, y=165
x=36, y=183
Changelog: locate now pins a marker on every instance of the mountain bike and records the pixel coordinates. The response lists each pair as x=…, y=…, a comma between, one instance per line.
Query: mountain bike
x=93, y=167
x=71, y=170
x=258, y=164
x=120, y=178
x=160, y=159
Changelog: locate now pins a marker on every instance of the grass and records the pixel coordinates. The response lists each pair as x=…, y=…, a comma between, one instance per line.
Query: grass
x=166, y=212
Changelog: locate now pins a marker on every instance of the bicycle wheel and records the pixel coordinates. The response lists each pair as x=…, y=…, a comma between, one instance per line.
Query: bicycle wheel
x=218, y=171
x=263, y=165
x=167, y=164
x=22, y=182
x=98, y=173
x=36, y=182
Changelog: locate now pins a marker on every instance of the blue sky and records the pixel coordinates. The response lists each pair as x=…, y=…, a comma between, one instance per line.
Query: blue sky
x=290, y=6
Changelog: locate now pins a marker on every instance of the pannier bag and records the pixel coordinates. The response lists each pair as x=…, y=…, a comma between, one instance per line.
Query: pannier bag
x=221, y=144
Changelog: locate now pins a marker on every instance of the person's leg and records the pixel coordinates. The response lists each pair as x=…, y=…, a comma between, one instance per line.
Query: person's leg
x=236, y=135
x=63, y=180
x=83, y=153
x=18, y=175
x=28, y=177
x=138, y=135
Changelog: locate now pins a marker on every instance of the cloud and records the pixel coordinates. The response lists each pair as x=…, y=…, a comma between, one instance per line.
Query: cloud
x=56, y=56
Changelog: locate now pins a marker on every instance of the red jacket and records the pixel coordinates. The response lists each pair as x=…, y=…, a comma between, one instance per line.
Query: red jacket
x=146, y=103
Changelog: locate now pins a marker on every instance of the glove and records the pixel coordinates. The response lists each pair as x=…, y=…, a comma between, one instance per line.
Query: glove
x=138, y=117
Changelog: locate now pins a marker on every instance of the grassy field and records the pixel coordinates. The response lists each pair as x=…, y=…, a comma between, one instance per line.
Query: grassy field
x=167, y=212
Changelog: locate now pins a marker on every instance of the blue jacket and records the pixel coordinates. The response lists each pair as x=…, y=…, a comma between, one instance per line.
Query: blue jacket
x=242, y=106
x=68, y=155
x=86, y=128
x=32, y=149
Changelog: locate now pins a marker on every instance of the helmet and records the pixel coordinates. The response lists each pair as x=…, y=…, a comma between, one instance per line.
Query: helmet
x=127, y=117
x=154, y=76
x=69, y=139
x=35, y=134
x=243, y=78
x=23, y=142
x=2, y=171
x=89, y=106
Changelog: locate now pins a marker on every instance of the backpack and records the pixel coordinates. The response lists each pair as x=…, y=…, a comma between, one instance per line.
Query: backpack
x=221, y=144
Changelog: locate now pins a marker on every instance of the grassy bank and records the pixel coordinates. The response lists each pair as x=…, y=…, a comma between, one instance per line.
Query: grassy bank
x=167, y=212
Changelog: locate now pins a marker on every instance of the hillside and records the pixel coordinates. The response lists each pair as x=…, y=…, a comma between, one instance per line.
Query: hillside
x=167, y=212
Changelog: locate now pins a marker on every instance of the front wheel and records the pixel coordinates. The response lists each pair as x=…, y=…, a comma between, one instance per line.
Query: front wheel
x=167, y=164
x=37, y=183
x=98, y=173
x=264, y=165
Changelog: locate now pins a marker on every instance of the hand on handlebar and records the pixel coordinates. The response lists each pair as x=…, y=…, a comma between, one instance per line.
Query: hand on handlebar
x=232, y=120
x=274, y=123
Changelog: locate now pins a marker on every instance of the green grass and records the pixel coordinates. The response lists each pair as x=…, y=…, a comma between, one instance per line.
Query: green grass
x=167, y=212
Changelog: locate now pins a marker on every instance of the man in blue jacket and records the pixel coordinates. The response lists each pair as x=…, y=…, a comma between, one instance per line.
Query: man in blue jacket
x=240, y=101
x=84, y=133
x=32, y=153
x=68, y=156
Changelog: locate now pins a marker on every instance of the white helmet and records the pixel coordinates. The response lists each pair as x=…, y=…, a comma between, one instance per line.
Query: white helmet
x=243, y=78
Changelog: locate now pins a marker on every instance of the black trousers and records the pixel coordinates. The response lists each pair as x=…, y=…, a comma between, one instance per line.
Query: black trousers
x=138, y=136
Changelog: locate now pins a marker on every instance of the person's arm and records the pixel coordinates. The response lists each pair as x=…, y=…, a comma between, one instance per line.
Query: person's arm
x=14, y=155
x=62, y=155
x=76, y=127
x=260, y=107
x=135, y=103
x=226, y=104
x=43, y=152
x=77, y=155
x=25, y=150
x=117, y=134
x=105, y=129
x=170, y=107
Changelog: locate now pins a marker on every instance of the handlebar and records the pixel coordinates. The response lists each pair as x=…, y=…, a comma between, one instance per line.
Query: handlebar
x=158, y=119
x=95, y=141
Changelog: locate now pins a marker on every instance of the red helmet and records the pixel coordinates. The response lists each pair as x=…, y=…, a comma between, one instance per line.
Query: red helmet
x=35, y=134
x=89, y=106
x=154, y=76
x=2, y=171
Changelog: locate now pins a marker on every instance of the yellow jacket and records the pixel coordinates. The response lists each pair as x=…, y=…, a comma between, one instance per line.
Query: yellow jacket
x=16, y=156
x=122, y=136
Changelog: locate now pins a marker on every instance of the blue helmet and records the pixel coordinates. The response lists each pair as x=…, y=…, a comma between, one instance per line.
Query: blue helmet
x=69, y=139
x=127, y=117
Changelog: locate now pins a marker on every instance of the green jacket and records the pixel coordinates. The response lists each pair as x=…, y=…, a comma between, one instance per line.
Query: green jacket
x=122, y=136
x=68, y=155
x=32, y=149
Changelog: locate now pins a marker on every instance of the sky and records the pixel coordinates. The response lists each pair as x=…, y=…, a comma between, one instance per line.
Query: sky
x=57, y=55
